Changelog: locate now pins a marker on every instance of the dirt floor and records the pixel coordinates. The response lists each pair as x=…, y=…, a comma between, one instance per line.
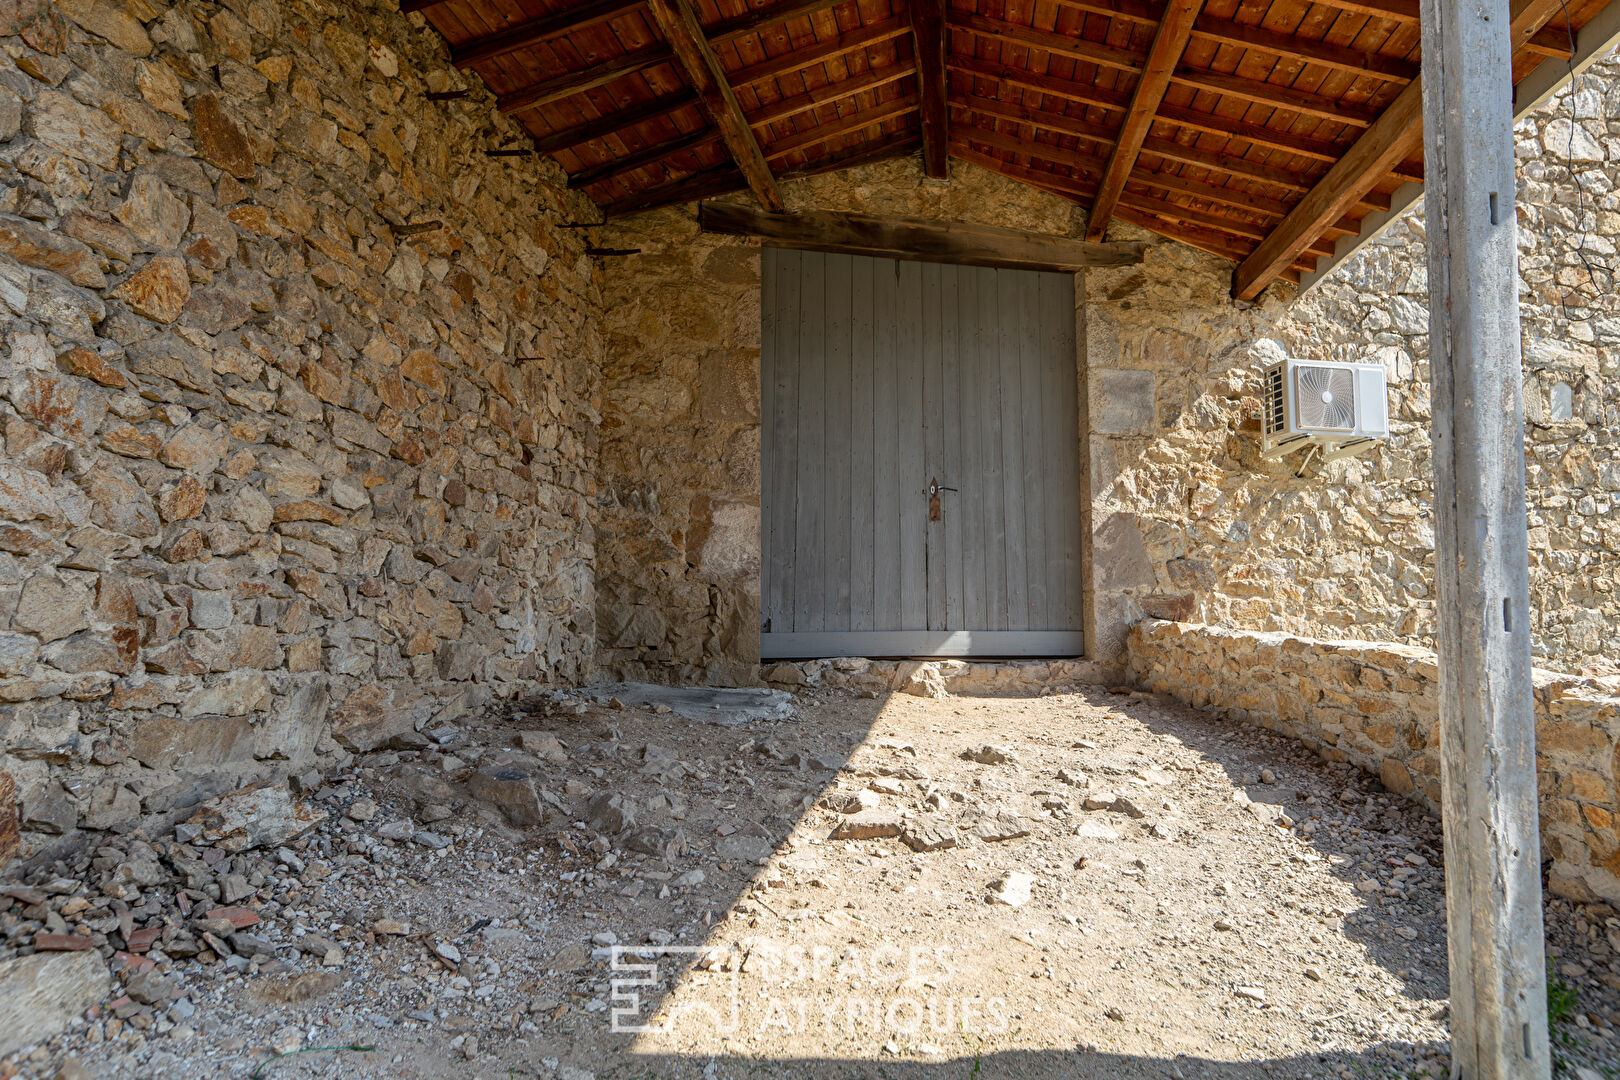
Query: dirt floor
x=1228, y=906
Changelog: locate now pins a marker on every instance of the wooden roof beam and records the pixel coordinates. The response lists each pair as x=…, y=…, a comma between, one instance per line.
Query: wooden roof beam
x=1352, y=61
x=916, y=240
x=1383, y=146
x=1379, y=149
x=1275, y=96
x=927, y=21
x=614, y=168
x=1075, y=48
x=789, y=107
x=1044, y=119
x=573, y=82
x=799, y=59
x=844, y=125
x=1169, y=42
x=677, y=20
x=1068, y=89
x=603, y=126
x=538, y=31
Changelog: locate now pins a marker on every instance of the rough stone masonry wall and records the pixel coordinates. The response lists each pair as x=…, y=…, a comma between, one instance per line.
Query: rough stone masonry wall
x=1375, y=704
x=679, y=510
x=1193, y=525
x=275, y=483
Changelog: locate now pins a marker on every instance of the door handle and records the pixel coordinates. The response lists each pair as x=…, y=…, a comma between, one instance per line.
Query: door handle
x=935, y=512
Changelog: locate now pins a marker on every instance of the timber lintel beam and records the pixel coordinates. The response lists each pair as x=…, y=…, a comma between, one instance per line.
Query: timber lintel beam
x=1169, y=42
x=916, y=241
x=679, y=24
x=927, y=21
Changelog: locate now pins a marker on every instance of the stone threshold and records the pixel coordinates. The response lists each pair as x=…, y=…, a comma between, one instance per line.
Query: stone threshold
x=939, y=678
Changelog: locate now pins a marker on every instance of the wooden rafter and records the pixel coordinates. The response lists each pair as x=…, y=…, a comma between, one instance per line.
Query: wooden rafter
x=678, y=22
x=603, y=126
x=927, y=21
x=1075, y=48
x=844, y=125
x=1353, y=61
x=570, y=83
x=614, y=168
x=798, y=59
x=1277, y=97
x=1387, y=142
x=538, y=31
x=1068, y=89
x=1169, y=42
x=1044, y=119
x=812, y=100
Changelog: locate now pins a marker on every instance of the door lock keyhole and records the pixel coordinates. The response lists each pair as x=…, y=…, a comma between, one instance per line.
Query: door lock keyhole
x=935, y=511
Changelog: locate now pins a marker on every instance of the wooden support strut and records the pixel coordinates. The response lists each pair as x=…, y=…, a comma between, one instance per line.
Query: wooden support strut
x=916, y=240
x=1488, y=797
x=679, y=24
x=927, y=21
x=1169, y=42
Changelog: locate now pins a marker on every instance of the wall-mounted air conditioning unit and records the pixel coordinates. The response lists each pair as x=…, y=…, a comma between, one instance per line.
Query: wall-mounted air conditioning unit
x=1341, y=408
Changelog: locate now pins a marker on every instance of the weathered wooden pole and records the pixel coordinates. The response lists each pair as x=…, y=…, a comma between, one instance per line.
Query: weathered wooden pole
x=1487, y=729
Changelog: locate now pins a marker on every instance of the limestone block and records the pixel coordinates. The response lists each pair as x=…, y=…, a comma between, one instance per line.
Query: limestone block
x=1122, y=401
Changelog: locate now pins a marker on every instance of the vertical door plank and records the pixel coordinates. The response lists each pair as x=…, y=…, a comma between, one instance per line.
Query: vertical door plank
x=951, y=438
x=933, y=449
x=809, y=563
x=980, y=408
x=769, y=427
x=913, y=503
x=838, y=459
x=886, y=439
x=1013, y=341
x=998, y=333
x=779, y=461
x=862, y=535
x=1066, y=452
x=1035, y=366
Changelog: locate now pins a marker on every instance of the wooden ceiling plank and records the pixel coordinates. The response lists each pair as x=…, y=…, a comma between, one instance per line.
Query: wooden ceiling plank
x=1075, y=48
x=1382, y=147
x=1236, y=166
x=916, y=240
x=720, y=180
x=1276, y=96
x=1401, y=11
x=729, y=30
x=927, y=21
x=1146, y=14
x=1379, y=149
x=789, y=107
x=1258, y=134
x=1040, y=118
x=574, y=82
x=844, y=125
x=1011, y=144
x=1084, y=93
x=615, y=168
x=799, y=59
x=1193, y=236
x=1169, y=42
x=538, y=31
x=603, y=126
x=677, y=20
x=1288, y=46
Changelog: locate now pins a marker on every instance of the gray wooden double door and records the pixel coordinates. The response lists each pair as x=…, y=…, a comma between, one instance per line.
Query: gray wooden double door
x=920, y=460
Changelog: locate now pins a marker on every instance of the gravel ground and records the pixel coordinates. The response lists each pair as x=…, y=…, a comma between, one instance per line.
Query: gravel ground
x=1227, y=906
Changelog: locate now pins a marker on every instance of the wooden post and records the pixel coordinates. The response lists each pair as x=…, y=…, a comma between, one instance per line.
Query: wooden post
x=1487, y=726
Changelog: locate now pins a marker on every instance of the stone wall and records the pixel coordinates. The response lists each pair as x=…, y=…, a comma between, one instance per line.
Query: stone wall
x=1192, y=524
x=678, y=515
x=300, y=393
x=1376, y=704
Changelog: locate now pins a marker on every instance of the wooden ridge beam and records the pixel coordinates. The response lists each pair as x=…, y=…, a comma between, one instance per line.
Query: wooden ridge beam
x=1379, y=149
x=1353, y=61
x=927, y=21
x=538, y=31
x=1277, y=97
x=603, y=126
x=1169, y=42
x=1075, y=48
x=916, y=240
x=677, y=20
x=844, y=125
x=799, y=59
x=614, y=168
